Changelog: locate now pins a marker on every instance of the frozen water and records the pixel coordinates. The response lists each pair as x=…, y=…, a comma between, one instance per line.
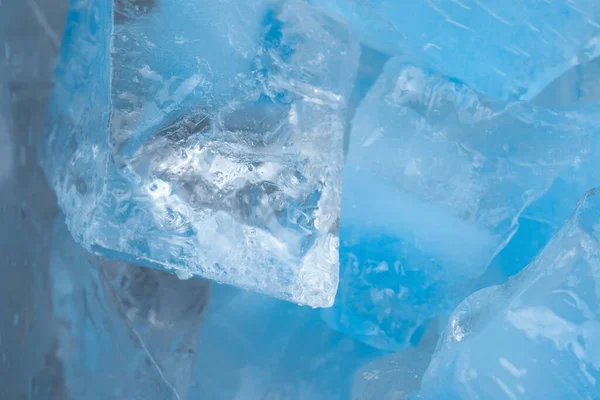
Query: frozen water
x=435, y=180
x=123, y=331
x=396, y=376
x=576, y=92
x=205, y=140
x=536, y=336
x=580, y=85
x=500, y=49
x=254, y=347
x=29, y=368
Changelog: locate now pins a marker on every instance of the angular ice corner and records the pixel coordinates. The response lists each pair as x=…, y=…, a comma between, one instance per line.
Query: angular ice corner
x=535, y=336
x=205, y=139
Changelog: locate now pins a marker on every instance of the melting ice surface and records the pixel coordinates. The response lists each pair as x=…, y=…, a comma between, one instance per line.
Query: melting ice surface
x=501, y=49
x=205, y=140
x=537, y=335
x=436, y=178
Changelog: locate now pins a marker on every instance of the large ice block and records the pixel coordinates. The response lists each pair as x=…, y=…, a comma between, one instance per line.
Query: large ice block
x=255, y=347
x=573, y=93
x=538, y=335
x=205, y=138
x=435, y=180
x=124, y=331
x=502, y=49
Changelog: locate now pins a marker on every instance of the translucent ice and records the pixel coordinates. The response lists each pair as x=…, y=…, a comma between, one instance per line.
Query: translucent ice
x=205, y=140
x=124, y=331
x=576, y=92
x=536, y=336
x=500, y=49
x=435, y=180
x=255, y=347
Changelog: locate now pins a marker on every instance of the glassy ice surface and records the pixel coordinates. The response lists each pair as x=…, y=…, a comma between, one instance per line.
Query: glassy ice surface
x=435, y=180
x=536, y=336
x=255, y=347
x=575, y=92
x=123, y=331
x=205, y=140
x=501, y=49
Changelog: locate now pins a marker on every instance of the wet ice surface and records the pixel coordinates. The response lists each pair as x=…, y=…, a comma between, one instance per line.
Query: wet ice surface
x=448, y=188
x=535, y=336
x=436, y=179
x=221, y=158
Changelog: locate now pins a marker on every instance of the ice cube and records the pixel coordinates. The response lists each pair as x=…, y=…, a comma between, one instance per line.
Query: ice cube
x=435, y=180
x=501, y=49
x=535, y=337
x=205, y=139
x=123, y=331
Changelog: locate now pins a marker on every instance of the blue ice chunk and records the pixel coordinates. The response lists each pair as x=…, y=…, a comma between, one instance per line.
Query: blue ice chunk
x=206, y=141
x=500, y=49
x=124, y=331
x=435, y=180
x=255, y=347
x=538, y=336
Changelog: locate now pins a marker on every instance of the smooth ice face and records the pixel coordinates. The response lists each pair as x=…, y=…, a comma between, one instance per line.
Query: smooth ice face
x=501, y=49
x=536, y=336
x=123, y=331
x=435, y=180
x=205, y=140
x=255, y=347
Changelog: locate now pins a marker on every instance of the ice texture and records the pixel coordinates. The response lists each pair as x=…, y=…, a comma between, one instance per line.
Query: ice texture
x=255, y=347
x=205, y=140
x=396, y=376
x=501, y=49
x=537, y=335
x=436, y=178
x=124, y=331
x=29, y=368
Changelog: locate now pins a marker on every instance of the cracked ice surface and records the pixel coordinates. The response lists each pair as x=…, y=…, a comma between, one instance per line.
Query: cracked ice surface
x=205, y=140
x=535, y=336
x=436, y=178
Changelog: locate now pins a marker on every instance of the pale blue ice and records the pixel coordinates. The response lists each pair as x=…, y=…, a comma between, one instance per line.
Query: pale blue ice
x=436, y=179
x=537, y=335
